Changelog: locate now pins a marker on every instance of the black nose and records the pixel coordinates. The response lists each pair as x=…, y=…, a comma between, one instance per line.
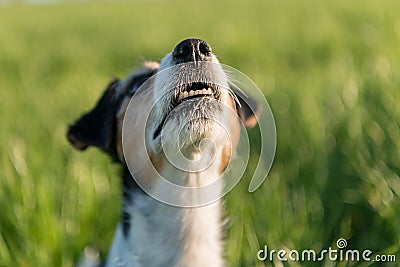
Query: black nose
x=192, y=50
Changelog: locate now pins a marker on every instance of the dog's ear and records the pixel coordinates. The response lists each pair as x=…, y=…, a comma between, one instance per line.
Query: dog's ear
x=97, y=127
x=247, y=108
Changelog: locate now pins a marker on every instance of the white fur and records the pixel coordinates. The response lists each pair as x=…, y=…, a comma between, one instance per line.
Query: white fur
x=162, y=235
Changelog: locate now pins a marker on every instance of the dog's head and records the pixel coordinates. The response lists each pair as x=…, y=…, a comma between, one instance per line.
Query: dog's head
x=188, y=96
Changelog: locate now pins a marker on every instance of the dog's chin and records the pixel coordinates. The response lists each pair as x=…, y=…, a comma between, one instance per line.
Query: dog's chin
x=190, y=122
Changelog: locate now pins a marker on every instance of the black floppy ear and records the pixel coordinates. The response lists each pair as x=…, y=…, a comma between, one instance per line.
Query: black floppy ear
x=97, y=127
x=248, y=109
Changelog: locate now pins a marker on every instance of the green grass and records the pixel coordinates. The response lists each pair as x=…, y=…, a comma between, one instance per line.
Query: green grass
x=329, y=69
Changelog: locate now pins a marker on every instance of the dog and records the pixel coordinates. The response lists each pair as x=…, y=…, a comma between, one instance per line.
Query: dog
x=184, y=103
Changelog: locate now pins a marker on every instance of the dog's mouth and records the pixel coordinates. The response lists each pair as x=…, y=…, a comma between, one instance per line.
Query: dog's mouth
x=190, y=91
x=193, y=90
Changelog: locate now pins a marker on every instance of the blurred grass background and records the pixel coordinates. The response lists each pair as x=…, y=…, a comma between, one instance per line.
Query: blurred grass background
x=329, y=69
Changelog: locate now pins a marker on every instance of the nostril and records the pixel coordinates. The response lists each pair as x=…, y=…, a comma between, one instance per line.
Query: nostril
x=182, y=51
x=204, y=48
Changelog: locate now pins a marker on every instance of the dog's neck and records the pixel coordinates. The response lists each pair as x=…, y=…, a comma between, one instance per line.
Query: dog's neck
x=164, y=235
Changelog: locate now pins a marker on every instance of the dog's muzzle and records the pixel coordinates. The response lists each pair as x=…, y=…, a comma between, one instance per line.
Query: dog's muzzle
x=189, y=84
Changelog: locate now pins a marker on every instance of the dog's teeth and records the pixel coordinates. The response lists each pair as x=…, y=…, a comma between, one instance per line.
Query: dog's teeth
x=185, y=94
